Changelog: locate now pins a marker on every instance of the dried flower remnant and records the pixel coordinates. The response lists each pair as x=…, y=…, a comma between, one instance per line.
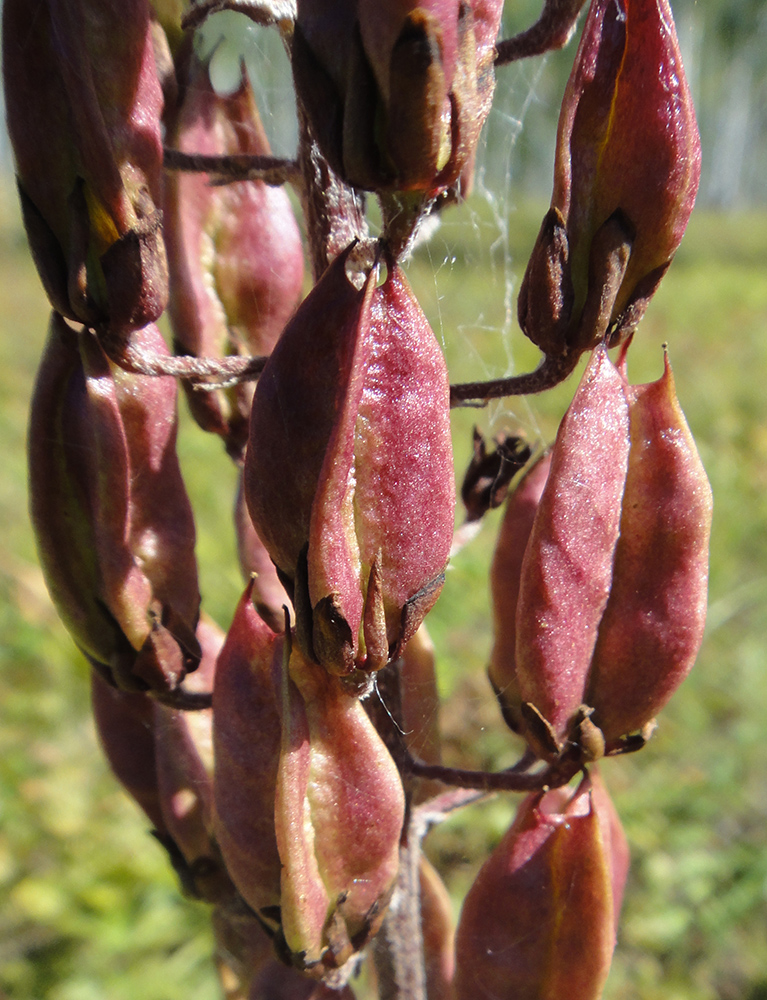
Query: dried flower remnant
x=349, y=476
x=626, y=174
x=113, y=523
x=538, y=922
x=84, y=104
x=234, y=251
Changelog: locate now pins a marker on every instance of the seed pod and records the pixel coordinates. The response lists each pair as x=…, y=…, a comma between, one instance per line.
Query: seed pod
x=113, y=523
x=653, y=623
x=84, y=103
x=246, y=743
x=420, y=710
x=568, y=564
x=184, y=759
x=350, y=483
x=626, y=174
x=396, y=93
x=234, y=251
x=614, y=839
x=438, y=929
x=309, y=804
x=124, y=724
x=505, y=577
x=339, y=816
x=538, y=922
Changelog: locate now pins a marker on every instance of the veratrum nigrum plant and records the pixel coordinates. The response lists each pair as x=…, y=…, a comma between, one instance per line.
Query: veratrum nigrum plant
x=287, y=798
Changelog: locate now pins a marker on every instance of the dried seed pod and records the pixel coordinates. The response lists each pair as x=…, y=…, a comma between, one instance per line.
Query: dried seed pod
x=113, y=523
x=124, y=724
x=653, y=624
x=438, y=930
x=505, y=577
x=538, y=922
x=246, y=739
x=84, y=103
x=234, y=251
x=339, y=816
x=568, y=564
x=349, y=478
x=309, y=805
x=397, y=93
x=626, y=175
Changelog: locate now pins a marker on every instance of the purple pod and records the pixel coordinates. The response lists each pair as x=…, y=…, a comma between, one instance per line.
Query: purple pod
x=84, y=104
x=349, y=477
x=114, y=527
x=653, y=624
x=538, y=922
x=568, y=564
x=234, y=251
x=505, y=578
x=626, y=174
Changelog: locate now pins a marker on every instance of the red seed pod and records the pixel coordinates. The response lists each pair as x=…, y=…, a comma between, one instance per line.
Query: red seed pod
x=614, y=839
x=246, y=741
x=538, y=922
x=184, y=758
x=164, y=759
x=339, y=814
x=653, y=624
x=505, y=578
x=350, y=483
x=437, y=927
x=309, y=805
x=420, y=708
x=83, y=103
x=234, y=251
x=567, y=569
x=124, y=723
x=113, y=523
x=249, y=970
x=626, y=175
x=396, y=93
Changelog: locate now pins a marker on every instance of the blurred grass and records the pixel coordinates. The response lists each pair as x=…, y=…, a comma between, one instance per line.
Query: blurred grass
x=88, y=906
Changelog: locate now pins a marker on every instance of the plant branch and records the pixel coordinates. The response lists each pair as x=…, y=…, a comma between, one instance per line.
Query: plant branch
x=549, y=373
x=553, y=30
x=273, y=170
